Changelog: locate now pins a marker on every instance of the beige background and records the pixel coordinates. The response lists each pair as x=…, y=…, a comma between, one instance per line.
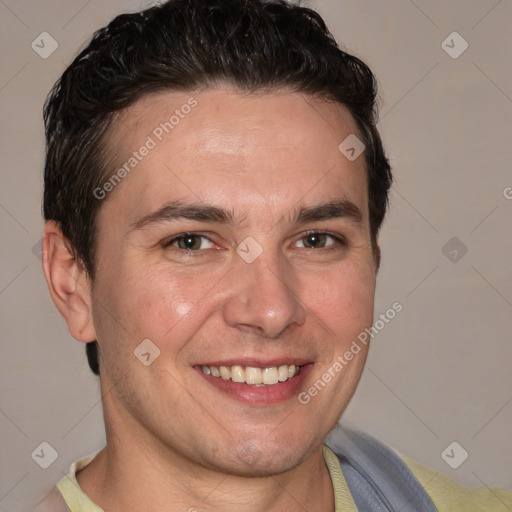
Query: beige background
x=439, y=372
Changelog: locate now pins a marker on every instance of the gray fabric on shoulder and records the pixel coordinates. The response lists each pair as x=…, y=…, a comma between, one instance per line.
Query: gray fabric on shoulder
x=377, y=477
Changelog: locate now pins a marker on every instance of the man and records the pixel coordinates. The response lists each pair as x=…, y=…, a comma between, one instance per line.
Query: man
x=214, y=188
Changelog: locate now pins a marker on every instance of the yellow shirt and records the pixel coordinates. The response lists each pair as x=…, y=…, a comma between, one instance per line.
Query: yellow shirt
x=447, y=495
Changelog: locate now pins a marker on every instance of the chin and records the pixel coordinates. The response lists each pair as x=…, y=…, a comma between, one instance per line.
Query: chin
x=252, y=460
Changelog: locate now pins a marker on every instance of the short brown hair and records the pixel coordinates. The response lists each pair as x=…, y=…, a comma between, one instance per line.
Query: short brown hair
x=185, y=45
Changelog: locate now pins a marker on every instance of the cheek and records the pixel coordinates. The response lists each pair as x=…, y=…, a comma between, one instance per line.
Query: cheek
x=346, y=300
x=135, y=302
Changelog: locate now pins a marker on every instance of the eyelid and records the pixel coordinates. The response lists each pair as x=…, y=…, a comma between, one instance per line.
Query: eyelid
x=338, y=237
x=167, y=242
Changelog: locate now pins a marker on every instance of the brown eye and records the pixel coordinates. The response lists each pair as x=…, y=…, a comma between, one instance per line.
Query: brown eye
x=315, y=240
x=320, y=240
x=190, y=242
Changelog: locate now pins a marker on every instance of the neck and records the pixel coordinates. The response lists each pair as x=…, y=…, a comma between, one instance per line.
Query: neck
x=113, y=487
x=135, y=471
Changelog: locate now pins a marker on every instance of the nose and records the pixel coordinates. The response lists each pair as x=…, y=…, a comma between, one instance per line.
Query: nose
x=264, y=298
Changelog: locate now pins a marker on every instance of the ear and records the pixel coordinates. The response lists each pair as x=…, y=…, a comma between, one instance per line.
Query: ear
x=68, y=282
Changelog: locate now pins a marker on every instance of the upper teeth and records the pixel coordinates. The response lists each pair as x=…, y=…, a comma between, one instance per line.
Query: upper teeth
x=252, y=375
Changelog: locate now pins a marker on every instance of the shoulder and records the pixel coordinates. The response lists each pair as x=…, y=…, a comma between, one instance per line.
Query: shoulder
x=53, y=502
x=67, y=496
x=382, y=471
x=449, y=495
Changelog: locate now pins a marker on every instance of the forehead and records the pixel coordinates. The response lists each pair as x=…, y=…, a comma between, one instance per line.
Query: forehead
x=235, y=149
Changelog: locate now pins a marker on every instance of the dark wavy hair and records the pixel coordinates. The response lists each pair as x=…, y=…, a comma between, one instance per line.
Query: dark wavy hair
x=253, y=45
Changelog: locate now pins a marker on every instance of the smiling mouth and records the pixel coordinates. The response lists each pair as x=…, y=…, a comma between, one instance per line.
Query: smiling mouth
x=253, y=376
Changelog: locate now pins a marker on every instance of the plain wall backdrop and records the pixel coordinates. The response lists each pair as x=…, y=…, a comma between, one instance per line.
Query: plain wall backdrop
x=439, y=372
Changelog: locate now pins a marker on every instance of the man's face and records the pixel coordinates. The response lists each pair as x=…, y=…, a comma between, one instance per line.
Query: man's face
x=244, y=269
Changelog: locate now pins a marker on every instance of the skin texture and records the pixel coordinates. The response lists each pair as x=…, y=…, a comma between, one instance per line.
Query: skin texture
x=172, y=436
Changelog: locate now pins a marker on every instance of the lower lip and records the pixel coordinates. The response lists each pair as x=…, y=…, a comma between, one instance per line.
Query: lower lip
x=260, y=395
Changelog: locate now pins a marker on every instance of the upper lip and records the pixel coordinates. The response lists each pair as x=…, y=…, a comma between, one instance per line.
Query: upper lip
x=257, y=362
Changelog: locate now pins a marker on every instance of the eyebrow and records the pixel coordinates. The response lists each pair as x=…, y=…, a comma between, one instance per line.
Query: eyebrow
x=336, y=209
x=339, y=209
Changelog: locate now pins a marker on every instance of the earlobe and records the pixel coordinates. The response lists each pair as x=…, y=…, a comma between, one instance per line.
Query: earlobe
x=68, y=282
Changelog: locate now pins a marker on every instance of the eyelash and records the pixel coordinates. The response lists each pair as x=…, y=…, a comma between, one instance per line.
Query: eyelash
x=339, y=240
x=168, y=242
